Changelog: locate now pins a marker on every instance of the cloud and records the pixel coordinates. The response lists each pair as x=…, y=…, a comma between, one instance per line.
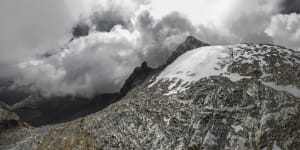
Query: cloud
x=285, y=30
x=31, y=26
x=96, y=63
x=104, y=15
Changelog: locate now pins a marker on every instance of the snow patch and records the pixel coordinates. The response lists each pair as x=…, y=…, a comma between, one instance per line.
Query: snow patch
x=274, y=147
x=234, y=77
x=237, y=128
x=209, y=139
x=288, y=88
x=264, y=119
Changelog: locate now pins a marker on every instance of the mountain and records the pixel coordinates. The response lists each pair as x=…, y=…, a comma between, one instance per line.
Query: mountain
x=243, y=96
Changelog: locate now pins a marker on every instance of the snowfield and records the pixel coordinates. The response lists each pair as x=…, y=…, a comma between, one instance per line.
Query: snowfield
x=214, y=61
x=196, y=64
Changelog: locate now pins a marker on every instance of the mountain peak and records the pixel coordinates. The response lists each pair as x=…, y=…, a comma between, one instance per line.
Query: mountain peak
x=191, y=38
x=190, y=43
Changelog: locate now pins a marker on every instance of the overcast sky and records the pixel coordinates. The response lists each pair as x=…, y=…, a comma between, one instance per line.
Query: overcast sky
x=112, y=37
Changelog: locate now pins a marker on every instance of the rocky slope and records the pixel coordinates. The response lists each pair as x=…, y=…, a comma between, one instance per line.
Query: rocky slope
x=243, y=96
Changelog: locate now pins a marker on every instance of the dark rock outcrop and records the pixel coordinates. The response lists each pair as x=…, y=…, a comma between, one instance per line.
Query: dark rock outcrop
x=137, y=77
x=8, y=119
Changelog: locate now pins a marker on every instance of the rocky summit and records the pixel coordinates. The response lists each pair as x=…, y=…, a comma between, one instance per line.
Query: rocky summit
x=243, y=96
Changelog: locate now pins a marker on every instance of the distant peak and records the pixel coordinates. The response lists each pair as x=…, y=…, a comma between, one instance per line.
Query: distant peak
x=190, y=43
x=191, y=38
x=144, y=65
x=137, y=77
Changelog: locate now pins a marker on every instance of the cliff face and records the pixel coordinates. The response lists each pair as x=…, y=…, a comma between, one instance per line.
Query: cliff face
x=242, y=96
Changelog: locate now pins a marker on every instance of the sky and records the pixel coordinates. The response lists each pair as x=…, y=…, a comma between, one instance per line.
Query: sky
x=89, y=47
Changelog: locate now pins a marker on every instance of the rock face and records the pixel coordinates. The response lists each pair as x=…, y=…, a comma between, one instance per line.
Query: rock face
x=242, y=96
x=8, y=119
x=9, y=123
x=137, y=77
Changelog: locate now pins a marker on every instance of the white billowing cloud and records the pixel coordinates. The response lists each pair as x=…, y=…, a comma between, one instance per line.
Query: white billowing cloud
x=97, y=63
x=285, y=30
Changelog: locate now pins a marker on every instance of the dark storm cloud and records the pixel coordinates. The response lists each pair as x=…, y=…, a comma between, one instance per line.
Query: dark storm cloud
x=291, y=6
x=81, y=29
x=105, y=21
x=105, y=18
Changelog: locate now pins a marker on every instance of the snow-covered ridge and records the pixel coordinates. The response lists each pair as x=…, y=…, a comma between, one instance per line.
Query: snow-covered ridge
x=216, y=60
x=197, y=64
